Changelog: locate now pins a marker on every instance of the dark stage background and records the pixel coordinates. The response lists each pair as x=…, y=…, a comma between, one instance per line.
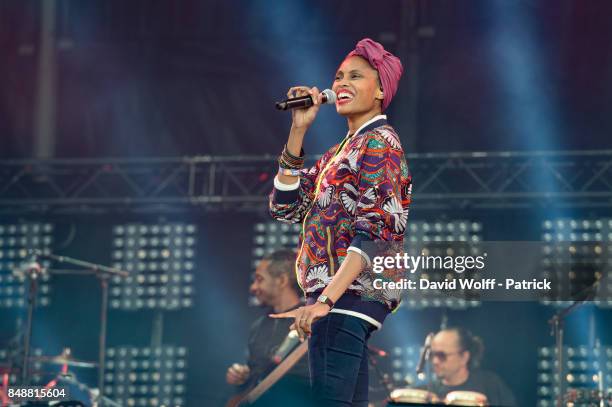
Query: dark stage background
x=215, y=329
x=150, y=78
x=183, y=78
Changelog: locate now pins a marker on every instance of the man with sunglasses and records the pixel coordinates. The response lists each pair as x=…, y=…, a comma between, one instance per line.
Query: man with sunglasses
x=455, y=357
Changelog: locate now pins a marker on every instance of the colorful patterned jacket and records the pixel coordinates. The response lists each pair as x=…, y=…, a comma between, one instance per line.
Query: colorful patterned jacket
x=359, y=191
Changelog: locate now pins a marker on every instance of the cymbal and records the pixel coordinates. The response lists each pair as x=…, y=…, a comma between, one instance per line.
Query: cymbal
x=65, y=358
x=61, y=360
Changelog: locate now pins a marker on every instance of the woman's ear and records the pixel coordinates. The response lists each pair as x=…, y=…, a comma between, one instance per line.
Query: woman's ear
x=379, y=94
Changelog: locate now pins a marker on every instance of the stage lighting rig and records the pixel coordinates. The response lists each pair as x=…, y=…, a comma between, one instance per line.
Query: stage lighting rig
x=161, y=261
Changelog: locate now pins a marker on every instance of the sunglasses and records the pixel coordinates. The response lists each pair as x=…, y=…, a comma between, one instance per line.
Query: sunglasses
x=443, y=355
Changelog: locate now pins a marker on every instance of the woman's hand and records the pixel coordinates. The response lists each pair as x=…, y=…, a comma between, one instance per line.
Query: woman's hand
x=304, y=317
x=303, y=118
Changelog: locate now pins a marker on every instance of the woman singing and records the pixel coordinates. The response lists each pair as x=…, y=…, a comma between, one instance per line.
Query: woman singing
x=356, y=196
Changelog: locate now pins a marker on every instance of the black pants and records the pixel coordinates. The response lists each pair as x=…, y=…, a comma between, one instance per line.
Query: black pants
x=338, y=358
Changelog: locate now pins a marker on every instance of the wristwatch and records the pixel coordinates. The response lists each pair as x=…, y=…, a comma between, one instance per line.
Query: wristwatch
x=324, y=299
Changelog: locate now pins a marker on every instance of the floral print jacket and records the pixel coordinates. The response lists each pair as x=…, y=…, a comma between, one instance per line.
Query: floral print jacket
x=358, y=192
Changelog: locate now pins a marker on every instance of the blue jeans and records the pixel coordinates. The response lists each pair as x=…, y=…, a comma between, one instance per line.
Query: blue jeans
x=338, y=358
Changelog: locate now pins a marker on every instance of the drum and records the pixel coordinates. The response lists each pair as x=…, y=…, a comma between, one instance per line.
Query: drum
x=408, y=395
x=465, y=398
x=80, y=394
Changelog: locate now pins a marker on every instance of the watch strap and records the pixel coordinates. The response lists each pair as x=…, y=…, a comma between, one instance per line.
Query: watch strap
x=325, y=300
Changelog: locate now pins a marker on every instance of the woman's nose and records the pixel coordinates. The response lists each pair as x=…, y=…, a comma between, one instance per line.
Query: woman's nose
x=342, y=83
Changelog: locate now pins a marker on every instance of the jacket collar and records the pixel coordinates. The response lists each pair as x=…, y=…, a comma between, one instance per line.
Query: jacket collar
x=376, y=121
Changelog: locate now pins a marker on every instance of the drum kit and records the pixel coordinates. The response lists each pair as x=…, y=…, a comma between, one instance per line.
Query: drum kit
x=419, y=397
x=409, y=396
x=81, y=394
x=387, y=395
x=566, y=397
x=65, y=378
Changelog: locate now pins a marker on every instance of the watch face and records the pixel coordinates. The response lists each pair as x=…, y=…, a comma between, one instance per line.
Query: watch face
x=324, y=299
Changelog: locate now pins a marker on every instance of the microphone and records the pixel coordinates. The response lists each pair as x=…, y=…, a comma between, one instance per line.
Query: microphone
x=424, y=356
x=30, y=268
x=286, y=346
x=329, y=97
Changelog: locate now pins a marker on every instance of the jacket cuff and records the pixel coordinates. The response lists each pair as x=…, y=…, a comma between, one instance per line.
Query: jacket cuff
x=284, y=193
x=356, y=246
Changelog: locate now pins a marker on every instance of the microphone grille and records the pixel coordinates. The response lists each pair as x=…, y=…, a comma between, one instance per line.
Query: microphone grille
x=330, y=96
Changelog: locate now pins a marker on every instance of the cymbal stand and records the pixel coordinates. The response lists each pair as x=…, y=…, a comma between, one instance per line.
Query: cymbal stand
x=103, y=273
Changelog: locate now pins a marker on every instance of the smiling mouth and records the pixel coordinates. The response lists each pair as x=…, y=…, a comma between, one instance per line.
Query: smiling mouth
x=344, y=101
x=344, y=98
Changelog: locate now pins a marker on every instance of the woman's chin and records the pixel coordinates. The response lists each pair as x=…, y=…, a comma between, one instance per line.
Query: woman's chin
x=343, y=110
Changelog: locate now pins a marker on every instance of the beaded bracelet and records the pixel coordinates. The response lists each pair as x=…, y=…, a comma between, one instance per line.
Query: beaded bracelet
x=283, y=164
x=286, y=151
x=289, y=172
x=289, y=161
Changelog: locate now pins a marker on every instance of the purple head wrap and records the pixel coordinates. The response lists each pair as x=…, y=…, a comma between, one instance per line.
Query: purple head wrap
x=388, y=66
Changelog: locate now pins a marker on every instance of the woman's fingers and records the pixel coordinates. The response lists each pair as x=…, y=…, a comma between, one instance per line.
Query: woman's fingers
x=298, y=314
x=314, y=93
x=299, y=320
x=306, y=323
x=311, y=318
x=289, y=314
x=296, y=91
x=304, y=317
x=304, y=117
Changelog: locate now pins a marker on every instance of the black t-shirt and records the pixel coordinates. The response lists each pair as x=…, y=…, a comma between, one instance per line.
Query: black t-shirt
x=485, y=382
x=265, y=337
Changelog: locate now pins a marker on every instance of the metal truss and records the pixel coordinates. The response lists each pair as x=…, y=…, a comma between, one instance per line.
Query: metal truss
x=242, y=183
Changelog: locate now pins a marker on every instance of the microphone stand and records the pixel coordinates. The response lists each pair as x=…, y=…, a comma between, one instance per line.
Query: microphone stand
x=383, y=378
x=424, y=356
x=103, y=273
x=32, y=272
x=557, y=330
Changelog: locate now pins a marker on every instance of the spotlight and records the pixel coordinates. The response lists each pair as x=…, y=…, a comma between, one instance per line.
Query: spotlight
x=581, y=366
x=160, y=259
x=17, y=241
x=403, y=364
x=577, y=258
x=142, y=377
x=451, y=238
